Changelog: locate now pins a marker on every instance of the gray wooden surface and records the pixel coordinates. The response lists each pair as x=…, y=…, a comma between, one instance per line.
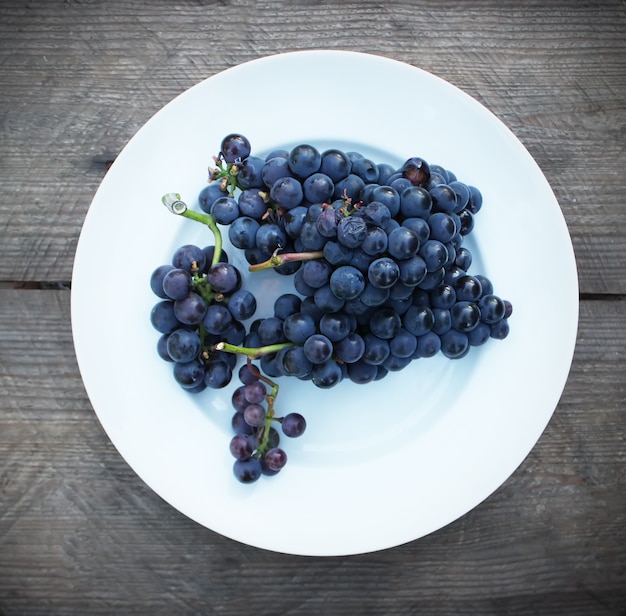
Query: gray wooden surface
x=79, y=531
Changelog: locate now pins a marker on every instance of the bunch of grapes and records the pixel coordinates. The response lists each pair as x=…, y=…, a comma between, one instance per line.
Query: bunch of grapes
x=379, y=270
x=255, y=445
x=201, y=303
x=376, y=254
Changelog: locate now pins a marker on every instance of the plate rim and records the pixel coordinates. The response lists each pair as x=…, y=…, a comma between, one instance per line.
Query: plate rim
x=75, y=300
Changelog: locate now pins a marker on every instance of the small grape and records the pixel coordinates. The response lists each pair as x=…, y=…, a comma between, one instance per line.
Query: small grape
x=247, y=471
x=254, y=414
x=275, y=459
x=225, y=210
x=217, y=374
x=224, y=278
x=235, y=148
x=304, y=160
x=254, y=392
x=156, y=280
x=417, y=171
x=188, y=256
x=287, y=193
x=293, y=425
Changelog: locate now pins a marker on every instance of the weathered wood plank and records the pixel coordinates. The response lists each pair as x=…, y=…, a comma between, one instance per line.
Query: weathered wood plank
x=80, y=533
x=80, y=78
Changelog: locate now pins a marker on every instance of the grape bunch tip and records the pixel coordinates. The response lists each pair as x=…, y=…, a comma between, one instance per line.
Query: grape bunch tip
x=380, y=278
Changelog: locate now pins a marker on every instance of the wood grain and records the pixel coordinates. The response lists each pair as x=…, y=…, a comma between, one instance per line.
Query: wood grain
x=80, y=78
x=81, y=534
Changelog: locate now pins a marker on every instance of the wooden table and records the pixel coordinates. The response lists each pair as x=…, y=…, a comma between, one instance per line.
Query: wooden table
x=79, y=532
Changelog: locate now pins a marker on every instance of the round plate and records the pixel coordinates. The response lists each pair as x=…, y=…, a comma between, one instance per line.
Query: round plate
x=380, y=464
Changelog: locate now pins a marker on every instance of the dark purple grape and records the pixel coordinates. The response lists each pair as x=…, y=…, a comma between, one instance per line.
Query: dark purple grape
x=247, y=471
x=304, y=160
x=387, y=196
x=318, y=348
x=318, y=188
x=349, y=188
x=247, y=375
x=415, y=202
x=225, y=210
x=224, y=278
x=428, y=345
x=235, y=148
x=254, y=392
x=162, y=347
x=444, y=198
x=327, y=375
x=350, y=349
x=287, y=193
x=475, y=200
x=383, y=272
x=347, y=282
x=239, y=424
x=242, y=446
x=351, y=231
x=242, y=232
x=468, y=288
x=286, y=305
x=492, y=308
x=183, y=345
x=238, y=399
x=403, y=344
x=464, y=316
x=242, y=304
x=191, y=309
x=376, y=349
x=463, y=258
x=217, y=374
x=454, y=344
x=361, y=372
x=209, y=194
x=275, y=459
x=479, y=335
x=250, y=173
x=188, y=256
x=385, y=323
x=270, y=237
x=293, y=362
x=417, y=171
x=163, y=318
x=335, y=325
x=298, y=327
x=254, y=414
x=271, y=331
x=316, y=273
x=335, y=164
x=500, y=330
x=293, y=425
x=156, y=280
x=366, y=169
x=217, y=319
x=188, y=374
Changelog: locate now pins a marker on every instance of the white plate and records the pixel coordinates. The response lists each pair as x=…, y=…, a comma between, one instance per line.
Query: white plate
x=380, y=464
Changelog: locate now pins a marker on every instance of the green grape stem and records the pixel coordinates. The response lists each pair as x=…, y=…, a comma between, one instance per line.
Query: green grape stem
x=279, y=259
x=270, y=415
x=252, y=352
x=174, y=204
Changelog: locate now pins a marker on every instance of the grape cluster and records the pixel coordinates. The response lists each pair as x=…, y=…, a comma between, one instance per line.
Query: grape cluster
x=201, y=303
x=255, y=445
x=380, y=278
x=376, y=254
